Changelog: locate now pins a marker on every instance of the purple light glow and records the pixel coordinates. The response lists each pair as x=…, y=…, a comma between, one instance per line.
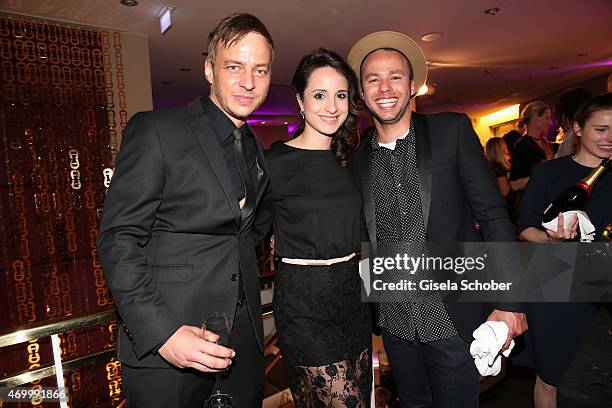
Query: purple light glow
x=577, y=67
x=596, y=64
x=276, y=111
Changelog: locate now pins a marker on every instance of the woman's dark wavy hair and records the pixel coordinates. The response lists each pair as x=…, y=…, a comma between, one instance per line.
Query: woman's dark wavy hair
x=594, y=104
x=344, y=141
x=568, y=103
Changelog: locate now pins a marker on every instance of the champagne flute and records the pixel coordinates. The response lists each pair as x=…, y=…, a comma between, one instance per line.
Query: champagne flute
x=218, y=323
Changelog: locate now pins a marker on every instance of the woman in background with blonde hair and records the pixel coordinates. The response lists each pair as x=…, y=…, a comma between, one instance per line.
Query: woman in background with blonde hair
x=528, y=151
x=536, y=116
x=498, y=156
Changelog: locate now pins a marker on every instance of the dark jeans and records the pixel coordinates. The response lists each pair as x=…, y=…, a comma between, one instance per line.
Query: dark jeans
x=174, y=388
x=438, y=374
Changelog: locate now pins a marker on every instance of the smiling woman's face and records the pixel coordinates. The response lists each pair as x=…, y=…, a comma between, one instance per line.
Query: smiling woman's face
x=596, y=135
x=326, y=101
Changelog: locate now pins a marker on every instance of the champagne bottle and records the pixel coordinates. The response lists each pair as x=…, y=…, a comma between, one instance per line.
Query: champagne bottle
x=577, y=196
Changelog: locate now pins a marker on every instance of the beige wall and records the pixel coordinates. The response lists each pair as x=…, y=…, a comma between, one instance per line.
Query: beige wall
x=137, y=72
x=484, y=125
x=482, y=129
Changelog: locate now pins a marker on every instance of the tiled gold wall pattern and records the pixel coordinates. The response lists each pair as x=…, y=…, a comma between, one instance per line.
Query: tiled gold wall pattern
x=63, y=106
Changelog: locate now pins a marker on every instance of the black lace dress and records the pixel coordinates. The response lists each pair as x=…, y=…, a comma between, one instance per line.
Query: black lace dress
x=324, y=329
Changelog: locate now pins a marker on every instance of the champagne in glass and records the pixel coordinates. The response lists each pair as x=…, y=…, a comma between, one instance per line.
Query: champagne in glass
x=218, y=323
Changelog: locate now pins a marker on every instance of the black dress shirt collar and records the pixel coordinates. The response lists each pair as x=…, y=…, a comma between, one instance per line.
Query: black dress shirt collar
x=222, y=125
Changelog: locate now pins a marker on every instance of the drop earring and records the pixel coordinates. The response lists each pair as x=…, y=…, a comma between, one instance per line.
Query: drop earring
x=302, y=113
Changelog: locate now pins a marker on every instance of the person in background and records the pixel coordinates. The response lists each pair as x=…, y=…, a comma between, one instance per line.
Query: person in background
x=566, y=106
x=510, y=138
x=498, y=157
x=555, y=329
x=547, y=145
x=324, y=329
x=536, y=119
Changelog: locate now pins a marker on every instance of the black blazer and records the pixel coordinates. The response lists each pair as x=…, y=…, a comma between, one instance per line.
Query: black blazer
x=172, y=241
x=456, y=188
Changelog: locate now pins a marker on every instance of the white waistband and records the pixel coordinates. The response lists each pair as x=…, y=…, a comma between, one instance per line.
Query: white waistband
x=332, y=261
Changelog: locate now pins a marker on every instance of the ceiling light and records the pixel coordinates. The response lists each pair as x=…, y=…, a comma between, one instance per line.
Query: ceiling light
x=285, y=123
x=492, y=11
x=432, y=36
x=488, y=71
x=165, y=19
x=426, y=90
x=263, y=122
x=129, y=3
x=502, y=115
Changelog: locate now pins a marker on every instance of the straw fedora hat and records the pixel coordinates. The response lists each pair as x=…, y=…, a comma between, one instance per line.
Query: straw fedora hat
x=390, y=39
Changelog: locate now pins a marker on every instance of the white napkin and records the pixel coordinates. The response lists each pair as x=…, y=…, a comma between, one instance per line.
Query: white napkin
x=587, y=230
x=489, y=338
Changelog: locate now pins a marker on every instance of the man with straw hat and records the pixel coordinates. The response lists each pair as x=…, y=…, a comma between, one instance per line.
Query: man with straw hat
x=424, y=178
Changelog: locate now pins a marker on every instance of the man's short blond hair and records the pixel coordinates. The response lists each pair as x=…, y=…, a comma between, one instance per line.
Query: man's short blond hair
x=234, y=28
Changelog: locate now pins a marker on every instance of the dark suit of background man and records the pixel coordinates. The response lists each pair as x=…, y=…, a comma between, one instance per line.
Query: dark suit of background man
x=424, y=178
x=175, y=237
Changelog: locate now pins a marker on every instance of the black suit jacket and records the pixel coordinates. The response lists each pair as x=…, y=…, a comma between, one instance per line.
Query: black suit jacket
x=172, y=241
x=456, y=188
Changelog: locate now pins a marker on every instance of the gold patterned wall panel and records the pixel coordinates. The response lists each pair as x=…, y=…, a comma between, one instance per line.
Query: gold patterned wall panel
x=63, y=106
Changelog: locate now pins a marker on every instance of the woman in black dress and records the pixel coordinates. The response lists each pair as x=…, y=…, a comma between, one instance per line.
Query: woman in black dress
x=555, y=329
x=528, y=150
x=323, y=327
